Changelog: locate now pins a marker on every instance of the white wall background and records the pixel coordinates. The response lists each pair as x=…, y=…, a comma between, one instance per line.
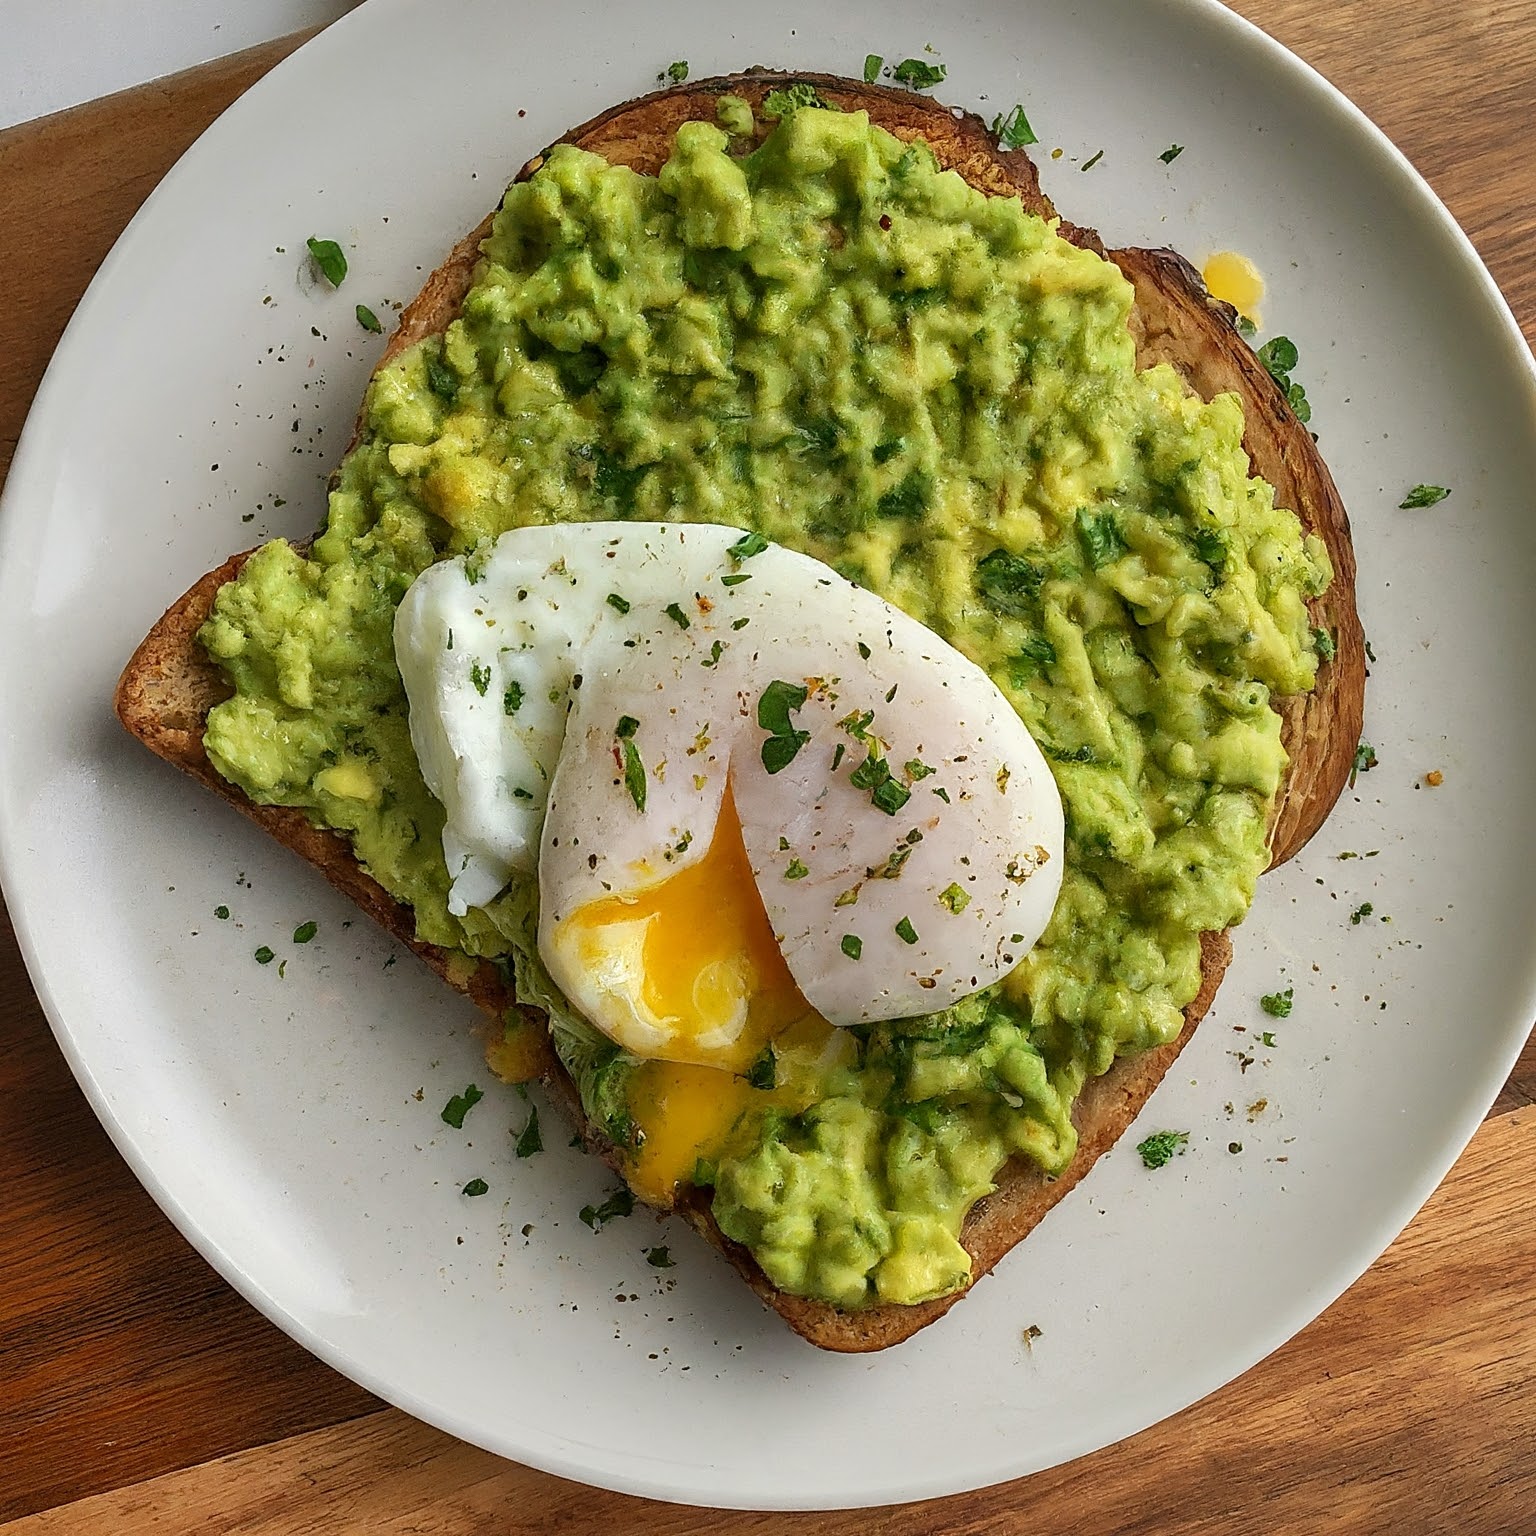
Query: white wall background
x=59, y=53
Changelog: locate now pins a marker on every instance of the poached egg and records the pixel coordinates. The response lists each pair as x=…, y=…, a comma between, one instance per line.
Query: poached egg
x=758, y=800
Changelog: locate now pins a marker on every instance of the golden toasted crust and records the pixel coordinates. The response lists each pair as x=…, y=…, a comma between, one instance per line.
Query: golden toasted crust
x=169, y=686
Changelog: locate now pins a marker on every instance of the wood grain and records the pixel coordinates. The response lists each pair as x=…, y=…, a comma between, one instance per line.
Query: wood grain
x=1409, y=1406
x=71, y=182
x=1454, y=86
x=1328, y=1434
x=123, y=1352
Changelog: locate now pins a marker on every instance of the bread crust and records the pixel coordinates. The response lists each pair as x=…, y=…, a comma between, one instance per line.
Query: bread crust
x=169, y=686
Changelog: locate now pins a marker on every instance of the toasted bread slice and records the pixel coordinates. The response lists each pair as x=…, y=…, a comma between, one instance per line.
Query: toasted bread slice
x=169, y=686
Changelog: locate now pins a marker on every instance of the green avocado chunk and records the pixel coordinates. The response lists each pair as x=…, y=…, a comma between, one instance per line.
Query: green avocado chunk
x=833, y=343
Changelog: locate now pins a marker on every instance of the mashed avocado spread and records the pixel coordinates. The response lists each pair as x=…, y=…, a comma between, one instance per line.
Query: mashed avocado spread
x=832, y=342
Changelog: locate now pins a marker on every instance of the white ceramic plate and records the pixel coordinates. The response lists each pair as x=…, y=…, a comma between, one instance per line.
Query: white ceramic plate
x=288, y=1121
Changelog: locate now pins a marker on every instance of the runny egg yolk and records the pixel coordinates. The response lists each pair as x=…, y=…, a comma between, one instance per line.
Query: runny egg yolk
x=713, y=989
x=685, y=1113
x=1232, y=277
x=688, y=970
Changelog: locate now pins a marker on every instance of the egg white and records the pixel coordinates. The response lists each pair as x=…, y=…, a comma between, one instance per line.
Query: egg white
x=564, y=675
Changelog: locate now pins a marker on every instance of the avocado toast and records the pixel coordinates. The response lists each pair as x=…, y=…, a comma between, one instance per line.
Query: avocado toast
x=170, y=685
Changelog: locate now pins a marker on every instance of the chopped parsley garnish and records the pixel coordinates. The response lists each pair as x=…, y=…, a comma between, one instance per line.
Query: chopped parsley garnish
x=894, y=860
x=863, y=651
x=264, y=956
x=620, y=1203
x=480, y=677
x=305, y=932
x=1324, y=644
x=885, y=793
x=330, y=259
x=906, y=932
x=476, y=1187
x=659, y=1258
x=852, y=945
x=1267, y=1038
x=748, y=545
x=715, y=649
x=677, y=71
x=917, y=75
x=1246, y=327
x=1212, y=547
x=796, y=870
x=1424, y=496
x=634, y=769
x=460, y=1105
x=1160, y=1146
x=1279, y=356
x=222, y=913
x=926, y=1114
x=441, y=379
x=512, y=699
x=1365, y=760
x=531, y=1140
x=857, y=723
x=942, y=793
x=1092, y=160
x=1012, y=131
x=872, y=63
x=954, y=898
x=1171, y=154
x=780, y=700
x=1359, y=915
x=615, y=601
x=791, y=98
x=764, y=1071
x=1035, y=651
x=918, y=769
x=837, y=754
x=368, y=320
x=1278, y=1004
x=676, y=614
x=908, y=498
x=1008, y=583
x=736, y=579
x=1101, y=538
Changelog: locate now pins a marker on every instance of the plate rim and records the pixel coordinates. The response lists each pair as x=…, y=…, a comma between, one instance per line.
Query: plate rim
x=1306, y=1306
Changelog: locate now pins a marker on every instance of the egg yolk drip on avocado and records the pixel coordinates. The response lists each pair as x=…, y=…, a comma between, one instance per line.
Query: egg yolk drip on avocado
x=698, y=964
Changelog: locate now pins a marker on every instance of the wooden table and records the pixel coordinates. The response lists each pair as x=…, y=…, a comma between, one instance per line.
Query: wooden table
x=139, y=1393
